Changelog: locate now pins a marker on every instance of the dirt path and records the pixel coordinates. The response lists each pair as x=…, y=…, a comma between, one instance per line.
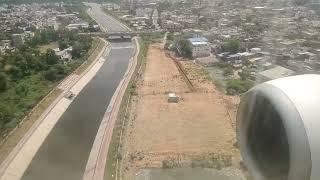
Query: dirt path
x=157, y=131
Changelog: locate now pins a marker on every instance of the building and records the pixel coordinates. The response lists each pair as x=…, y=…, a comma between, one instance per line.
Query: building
x=5, y=43
x=144, y=12
x=77, y=26
x=65, y=54
x=17, y=39
x=200, y=47
x=173, y=98
x=274, y=73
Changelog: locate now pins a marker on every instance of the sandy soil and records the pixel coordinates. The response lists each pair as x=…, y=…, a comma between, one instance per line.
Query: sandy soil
x=200, y=124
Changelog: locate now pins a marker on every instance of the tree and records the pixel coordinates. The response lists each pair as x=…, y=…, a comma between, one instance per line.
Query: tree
x=61, y=70
x=3, y=82
x=5, y=115
x=63, y=45
x=232, y=46
x=183, y=48
x=51, y=74
x=51, y=57
x=16, y=73
x=76, y=50
x=21, y=89
x=20, y=62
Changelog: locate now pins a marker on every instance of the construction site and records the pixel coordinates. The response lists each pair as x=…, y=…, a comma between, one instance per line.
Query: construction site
x=177, y=118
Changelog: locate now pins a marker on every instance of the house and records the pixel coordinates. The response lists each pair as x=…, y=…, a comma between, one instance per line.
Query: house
x=255, y=50
x=65, y=54
x=5, y=43
x=306, y=56
x=17, y=39
x=247, y=55
x=200, y=47
x=274, y=73
x=144, y=12
x=77, y=26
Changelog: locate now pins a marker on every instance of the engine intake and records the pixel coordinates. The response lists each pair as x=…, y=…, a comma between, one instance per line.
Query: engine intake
x=278, y=129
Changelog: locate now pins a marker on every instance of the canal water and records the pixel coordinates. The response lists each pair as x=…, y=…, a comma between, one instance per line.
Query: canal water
x=65, y=151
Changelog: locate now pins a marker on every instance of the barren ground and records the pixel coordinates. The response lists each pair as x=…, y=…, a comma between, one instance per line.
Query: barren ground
x=200, y=125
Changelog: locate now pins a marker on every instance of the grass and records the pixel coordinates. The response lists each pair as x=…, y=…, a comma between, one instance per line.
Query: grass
x=44, y=48
x=203, y=73
x=170, y=163
x=114, y=152
x=211, y=160
x=219, y=85
x=7, y=146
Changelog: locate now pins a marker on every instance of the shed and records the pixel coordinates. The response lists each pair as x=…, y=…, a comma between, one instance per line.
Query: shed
x=173, y=98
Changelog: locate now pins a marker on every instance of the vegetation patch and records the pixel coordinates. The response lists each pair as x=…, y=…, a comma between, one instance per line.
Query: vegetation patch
x=96, y=47
x=27, y=75
x=136, y=156
x=238, y=86
x=44, y=48
x=170, y=163
x=211, y=160
x=81, y=9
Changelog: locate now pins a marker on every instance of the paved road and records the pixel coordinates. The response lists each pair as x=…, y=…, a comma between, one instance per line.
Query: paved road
x=65, y=151
x=106, y=22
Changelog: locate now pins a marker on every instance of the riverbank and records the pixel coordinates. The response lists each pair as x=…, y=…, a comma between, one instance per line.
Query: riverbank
x=112, y=167
x=95, y=168
x=18, y=160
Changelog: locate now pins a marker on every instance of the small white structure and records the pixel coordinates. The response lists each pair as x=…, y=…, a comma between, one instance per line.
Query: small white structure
x=173, y=98
x=65, y=54
x=255, y=50
x=84, y=25
x=200, y=47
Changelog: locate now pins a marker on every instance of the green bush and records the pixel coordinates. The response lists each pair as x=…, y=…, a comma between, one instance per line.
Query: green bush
x=169, y=163
x=211, y=160
x=228, y=71
x=238, y=86
x=183, y=48
x=3, y=82
x=232, y=46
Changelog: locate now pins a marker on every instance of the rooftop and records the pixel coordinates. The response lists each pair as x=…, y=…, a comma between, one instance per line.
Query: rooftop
x=276, y=72
x=198, y=41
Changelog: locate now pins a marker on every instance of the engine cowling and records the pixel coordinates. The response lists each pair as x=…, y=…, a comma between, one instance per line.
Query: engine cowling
x=278, y=129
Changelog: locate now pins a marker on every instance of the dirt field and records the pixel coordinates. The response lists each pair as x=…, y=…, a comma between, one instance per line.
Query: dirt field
x=183, y=133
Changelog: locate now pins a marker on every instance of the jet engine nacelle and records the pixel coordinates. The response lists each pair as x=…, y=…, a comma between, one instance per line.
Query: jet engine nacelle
x=278, y=129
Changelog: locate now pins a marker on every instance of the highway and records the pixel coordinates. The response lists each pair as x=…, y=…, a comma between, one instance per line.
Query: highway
x=65, y=151
x=106, y=23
